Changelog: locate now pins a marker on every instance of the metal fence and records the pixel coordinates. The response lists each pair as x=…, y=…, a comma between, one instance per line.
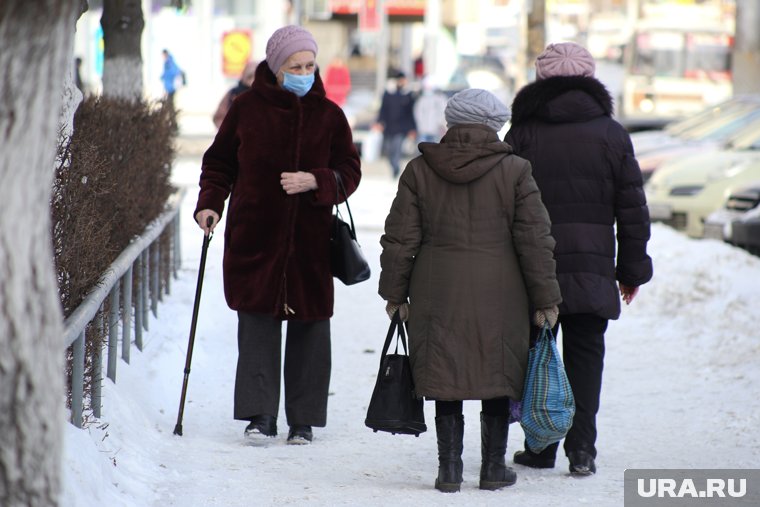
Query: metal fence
x=147, y=265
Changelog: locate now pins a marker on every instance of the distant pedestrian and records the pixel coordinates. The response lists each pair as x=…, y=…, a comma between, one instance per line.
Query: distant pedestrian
x=396, y=120
x=429, y=113
x=337, y=81
x=590, y=182
x=467, y=257
x=171, y=75
x=244, y=84
x=78, y=74
x=419, y=67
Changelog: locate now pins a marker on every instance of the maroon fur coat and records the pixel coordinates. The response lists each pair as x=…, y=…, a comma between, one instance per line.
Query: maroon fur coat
x=276, y=246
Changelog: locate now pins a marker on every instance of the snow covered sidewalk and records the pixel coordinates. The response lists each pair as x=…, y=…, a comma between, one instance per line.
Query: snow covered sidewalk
x=680, y=391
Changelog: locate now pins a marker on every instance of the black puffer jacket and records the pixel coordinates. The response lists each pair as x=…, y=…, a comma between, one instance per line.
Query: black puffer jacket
x=590, y=182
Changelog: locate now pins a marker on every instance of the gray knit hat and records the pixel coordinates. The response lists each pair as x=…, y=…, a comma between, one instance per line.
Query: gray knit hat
x=286, y=42
x=475, y=106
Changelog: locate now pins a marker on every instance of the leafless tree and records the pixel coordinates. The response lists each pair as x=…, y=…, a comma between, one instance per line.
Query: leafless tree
x=36, y=37
x=122, y=23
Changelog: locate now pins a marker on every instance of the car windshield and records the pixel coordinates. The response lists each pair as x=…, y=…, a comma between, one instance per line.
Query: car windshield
x=681, y=127
x=723, y=127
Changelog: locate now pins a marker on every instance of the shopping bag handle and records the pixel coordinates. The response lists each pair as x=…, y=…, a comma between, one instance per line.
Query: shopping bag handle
x=546, y=330
x=396, y=325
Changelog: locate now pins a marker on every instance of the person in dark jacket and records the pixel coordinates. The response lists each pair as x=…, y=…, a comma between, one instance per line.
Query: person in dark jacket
x=396, y=121
x=244, y=84
x=467, y=243
x=277, y=156
x=590, y=182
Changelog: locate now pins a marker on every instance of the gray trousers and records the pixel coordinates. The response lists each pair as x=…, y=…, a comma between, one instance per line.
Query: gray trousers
x=306, y=371
x=394, y=145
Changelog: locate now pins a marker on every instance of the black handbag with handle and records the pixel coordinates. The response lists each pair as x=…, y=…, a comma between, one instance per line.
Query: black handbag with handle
x=347, y=261
x=394, y=406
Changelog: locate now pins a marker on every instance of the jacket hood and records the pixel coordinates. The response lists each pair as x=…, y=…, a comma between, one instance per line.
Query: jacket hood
x=562, y=99
x=465, y=153
x=265, y=85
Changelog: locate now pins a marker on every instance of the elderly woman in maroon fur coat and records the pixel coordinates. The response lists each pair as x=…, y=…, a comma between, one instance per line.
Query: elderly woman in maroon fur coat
x=276, y=156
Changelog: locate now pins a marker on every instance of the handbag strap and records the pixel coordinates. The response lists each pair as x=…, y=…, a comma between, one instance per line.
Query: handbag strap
x=338, y=188
x=396, y=325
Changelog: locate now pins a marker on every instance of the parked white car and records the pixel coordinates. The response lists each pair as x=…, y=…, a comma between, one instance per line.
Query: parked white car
x=683, y=193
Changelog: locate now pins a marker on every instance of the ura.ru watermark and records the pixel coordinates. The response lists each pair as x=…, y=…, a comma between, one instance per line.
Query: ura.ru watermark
x=696, y=487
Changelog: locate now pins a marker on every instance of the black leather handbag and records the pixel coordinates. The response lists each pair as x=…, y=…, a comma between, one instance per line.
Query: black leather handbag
x=347, y=261
x=394, y=406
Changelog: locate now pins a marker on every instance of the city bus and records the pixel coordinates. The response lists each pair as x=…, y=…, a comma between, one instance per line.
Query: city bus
x=675, y=67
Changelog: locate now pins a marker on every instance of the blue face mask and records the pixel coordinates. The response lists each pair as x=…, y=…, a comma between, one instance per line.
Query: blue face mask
x=298, y=84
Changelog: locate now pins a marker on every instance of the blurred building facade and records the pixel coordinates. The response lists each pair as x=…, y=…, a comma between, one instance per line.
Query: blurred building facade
x=458, y=43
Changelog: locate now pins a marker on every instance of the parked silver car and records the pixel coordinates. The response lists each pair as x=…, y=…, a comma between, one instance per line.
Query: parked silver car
x=738, y=221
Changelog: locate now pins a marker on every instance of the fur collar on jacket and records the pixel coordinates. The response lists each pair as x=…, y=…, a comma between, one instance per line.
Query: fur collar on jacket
x=533, y=100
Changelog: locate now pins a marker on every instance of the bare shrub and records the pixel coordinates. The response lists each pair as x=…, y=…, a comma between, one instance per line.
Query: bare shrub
x=112, y=179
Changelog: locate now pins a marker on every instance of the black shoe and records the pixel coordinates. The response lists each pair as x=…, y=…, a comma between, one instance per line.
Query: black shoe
x=300, y=434
x=528, y=458
x=262, y=425
x=494, y=472
x=449, y=435
x=581, y=463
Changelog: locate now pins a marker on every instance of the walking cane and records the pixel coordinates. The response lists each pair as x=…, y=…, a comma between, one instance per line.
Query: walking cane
x=191, y=341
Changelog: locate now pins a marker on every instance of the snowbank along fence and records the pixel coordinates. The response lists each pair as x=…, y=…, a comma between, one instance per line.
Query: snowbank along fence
x=147, y=265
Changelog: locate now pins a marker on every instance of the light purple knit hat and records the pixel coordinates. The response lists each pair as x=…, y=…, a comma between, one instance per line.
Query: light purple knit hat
x=565, y=59
x=287, y=41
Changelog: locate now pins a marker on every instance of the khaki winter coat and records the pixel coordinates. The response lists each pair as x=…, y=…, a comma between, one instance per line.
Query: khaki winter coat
x=468, y=241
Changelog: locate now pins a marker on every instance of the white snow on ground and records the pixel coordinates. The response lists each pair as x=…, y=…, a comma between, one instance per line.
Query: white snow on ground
x=680, y=391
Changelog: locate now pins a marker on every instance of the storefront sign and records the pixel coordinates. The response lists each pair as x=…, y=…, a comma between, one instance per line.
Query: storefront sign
x=236, y=51
x=392, y=7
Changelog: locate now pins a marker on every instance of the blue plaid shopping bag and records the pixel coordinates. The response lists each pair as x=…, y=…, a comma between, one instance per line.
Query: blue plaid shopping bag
x=548, y=405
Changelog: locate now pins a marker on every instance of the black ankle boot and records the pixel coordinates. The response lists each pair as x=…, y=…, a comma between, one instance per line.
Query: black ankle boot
x=450, y=431
x=262, y=425
x=494, y=472
x=543, y=459
x=581, y=463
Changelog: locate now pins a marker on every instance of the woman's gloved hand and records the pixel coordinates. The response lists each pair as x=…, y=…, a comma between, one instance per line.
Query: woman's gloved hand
x=544, y=315
x=403, y=310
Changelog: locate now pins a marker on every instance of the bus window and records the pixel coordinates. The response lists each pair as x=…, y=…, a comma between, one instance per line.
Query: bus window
x=658, y=54
x=708, y=55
